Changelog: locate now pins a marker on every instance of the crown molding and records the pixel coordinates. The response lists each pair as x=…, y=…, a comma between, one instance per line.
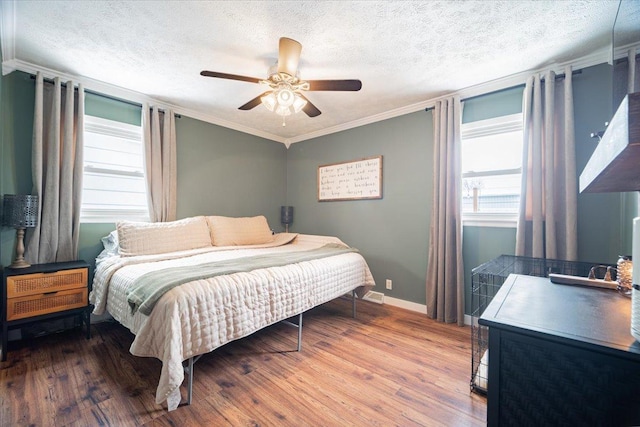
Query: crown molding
x=361, y=122
x=227, y=124
x=131, y=96
x=595, y=58
x=88, y=83
x=8, y=29
x=623, y=51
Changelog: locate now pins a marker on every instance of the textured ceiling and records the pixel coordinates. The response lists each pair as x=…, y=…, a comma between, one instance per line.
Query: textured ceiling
x=404, y=52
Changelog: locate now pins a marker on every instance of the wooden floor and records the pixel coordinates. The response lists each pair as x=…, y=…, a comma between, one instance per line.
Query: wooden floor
x=387, y=367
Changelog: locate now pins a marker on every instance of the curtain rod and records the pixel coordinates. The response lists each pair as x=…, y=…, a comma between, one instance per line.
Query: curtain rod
x=114, y=98
x=624, y=59
x=558, y=77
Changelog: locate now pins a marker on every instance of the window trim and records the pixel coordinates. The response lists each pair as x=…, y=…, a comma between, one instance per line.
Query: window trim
x=496, y=172
x=97, y=124
x=501, y=124
x=106, y=216
x=96, y=169
x=490, y=219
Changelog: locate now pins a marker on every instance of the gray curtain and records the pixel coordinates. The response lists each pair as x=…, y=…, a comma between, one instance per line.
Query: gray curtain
x=160, y=163
x=625, y=77
x=631, y=80
x=445, y=272
x=547, y=221
x=58, y=128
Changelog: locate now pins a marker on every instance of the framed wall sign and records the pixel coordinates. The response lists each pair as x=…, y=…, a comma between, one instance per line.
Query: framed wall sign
x=352, y=180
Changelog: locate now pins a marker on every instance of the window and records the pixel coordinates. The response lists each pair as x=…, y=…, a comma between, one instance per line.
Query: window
x=114, y=185
x=491, y=170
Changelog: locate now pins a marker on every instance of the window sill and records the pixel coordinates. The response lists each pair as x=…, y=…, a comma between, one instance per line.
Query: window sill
x=111, y=217
x=483, y=219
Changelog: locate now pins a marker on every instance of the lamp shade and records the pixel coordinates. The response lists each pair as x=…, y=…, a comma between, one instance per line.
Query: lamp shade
x=20, y=210
x=286, y=215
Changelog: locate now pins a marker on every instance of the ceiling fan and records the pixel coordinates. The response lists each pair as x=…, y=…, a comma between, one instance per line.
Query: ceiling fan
x=285, y=94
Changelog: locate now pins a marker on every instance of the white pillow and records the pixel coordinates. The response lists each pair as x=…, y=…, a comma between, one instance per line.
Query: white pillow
x=228, y=231
x=149, y=238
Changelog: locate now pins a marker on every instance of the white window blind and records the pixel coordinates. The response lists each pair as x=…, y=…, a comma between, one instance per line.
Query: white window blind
x=114, y=185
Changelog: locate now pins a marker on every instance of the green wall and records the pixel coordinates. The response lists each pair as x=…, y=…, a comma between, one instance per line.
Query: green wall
x=225, y=172
x=496, y=104
x=112, y=109
x=482, y=244
x=600, y=225
x=17, y=123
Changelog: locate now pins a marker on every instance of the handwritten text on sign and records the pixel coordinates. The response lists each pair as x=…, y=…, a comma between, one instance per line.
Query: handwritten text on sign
x=358, y=179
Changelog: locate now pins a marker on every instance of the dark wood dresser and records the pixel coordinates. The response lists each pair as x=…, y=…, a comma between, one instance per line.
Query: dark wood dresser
x=561, y=355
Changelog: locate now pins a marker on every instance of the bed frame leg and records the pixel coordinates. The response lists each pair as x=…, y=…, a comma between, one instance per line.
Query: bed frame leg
x=188, y=371
x=300, y=332
x=296, y=325
x=190, y=381
x=353, y=303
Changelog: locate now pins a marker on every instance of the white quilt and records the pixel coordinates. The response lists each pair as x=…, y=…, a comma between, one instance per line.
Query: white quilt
x=202, y=315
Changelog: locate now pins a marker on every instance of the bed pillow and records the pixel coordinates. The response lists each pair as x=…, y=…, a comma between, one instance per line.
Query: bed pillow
x=229, y=231
x=149, y=238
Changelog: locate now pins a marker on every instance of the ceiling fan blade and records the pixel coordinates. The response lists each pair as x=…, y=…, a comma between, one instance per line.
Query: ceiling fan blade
x=336, y=85
x=310, y=109
x=229, y=76
x=288, y=56
x=253, y=103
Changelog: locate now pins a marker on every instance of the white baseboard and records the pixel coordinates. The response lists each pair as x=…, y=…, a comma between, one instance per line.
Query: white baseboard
x=407, y=305
x=413, y=306
x=467, y=320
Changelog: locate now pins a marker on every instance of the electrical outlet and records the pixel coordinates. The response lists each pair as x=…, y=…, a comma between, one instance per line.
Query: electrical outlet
x=389, y=284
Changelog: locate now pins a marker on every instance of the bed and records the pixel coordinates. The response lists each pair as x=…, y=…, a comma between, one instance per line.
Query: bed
x=187, y=287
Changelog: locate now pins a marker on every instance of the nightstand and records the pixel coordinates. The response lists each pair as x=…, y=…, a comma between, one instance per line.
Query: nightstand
x=44, y=292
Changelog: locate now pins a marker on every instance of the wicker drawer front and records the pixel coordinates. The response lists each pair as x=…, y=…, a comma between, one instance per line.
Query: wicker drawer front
x=39, y=283
x=35, y=305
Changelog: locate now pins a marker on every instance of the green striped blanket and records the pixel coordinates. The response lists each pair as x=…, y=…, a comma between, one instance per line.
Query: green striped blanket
x=148, y=288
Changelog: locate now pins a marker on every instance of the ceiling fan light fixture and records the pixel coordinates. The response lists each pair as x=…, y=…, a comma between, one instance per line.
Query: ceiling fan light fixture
x=283, y=111
x=285, y=97
x=269, y=101
x=299, y=103
x=284, y=101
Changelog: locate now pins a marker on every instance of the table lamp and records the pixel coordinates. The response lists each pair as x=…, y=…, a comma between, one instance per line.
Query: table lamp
x=286, y=216
x=20, y=211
